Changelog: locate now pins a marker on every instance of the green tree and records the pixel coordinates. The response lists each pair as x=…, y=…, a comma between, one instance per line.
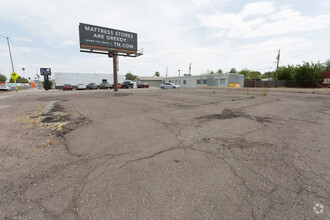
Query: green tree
x=157, y=74
x=308, y=74
x=327, y=65
x=244, y=72
x=19, y=80
x=285, y=73
x=130, y=76
x=210, y=72
x=3, y=78
x=254, y=75
x=267, y=75
x=219, y=71
x=233, y=70
x=50, y=84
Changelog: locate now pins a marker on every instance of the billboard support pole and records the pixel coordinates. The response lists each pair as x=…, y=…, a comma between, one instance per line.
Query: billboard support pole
x=115, y=72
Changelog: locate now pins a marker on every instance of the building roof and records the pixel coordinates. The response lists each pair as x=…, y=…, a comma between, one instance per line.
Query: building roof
x=150, y=78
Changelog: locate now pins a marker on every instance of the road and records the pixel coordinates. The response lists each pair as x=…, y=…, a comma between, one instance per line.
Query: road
x=172, y=154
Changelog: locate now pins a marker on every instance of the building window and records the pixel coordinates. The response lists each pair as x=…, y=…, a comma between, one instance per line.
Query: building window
x=204, y=81
x=198, y=81
x=169, y=81
x=222, y=81
x=184, y=82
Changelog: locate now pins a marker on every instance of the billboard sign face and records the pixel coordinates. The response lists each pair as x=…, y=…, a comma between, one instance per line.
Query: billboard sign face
x=106, y=38
x=45, y=71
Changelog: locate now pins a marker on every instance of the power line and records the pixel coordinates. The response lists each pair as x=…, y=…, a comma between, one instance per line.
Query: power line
x=308, y=52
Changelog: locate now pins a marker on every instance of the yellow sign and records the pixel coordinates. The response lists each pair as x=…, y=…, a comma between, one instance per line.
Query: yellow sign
x=13, y=75
x=234, y=85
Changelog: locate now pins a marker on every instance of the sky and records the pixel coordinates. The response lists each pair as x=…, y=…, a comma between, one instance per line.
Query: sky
x=208, y=34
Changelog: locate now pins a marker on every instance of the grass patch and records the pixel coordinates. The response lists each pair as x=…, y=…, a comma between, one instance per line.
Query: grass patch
x=265, y=92
x=233, y=99
x=252, y=96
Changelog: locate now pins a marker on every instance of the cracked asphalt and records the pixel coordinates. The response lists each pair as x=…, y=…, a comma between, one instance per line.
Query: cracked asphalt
x=153, y=154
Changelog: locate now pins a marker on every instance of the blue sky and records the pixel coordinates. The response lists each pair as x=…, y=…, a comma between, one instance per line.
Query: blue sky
x=209, y=34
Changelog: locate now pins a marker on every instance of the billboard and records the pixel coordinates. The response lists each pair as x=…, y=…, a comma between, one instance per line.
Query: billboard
x=102, y=38
x=45, y=71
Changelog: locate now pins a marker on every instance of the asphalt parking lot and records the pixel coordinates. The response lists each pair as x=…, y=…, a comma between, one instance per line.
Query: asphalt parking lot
x=164, y=154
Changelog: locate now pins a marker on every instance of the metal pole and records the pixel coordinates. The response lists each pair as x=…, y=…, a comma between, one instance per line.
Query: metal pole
x=115, y=76
x=11, y=59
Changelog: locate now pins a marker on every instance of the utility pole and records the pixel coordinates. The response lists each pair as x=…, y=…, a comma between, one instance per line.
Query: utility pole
x=23, y=73
x=11, y=59
x=166, y=71
x=189, y=69
x=278, y=61
x=179, y=72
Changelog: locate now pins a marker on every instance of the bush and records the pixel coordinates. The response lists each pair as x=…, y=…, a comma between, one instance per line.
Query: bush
x=308, y=74
x=50, y=84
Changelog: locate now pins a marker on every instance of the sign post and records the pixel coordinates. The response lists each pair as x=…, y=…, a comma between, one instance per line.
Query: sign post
x=111, y=42
x=46, y=72
x=14, y=76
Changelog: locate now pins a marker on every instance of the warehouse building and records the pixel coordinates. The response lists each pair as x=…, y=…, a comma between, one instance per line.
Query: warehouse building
x=214, y=80
x=83, y=78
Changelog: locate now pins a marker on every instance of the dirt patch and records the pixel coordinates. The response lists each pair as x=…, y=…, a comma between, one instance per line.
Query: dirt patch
x=120, y=94
x=226, y=114
x=56, y=118
x=233, y=113
x=234, y=142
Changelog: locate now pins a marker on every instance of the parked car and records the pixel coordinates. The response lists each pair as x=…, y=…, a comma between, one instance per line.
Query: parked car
x=5, y=88
x=104, y=85
x=91, y=86
x=142, y=85
x=67, y=87
x=81, y=86
x=127, y=85
x=119, y=86
x=169, y=86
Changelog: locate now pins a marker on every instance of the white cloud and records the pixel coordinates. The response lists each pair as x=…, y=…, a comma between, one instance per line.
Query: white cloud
x=324, y=3
x=22, y=39
x=276, y=23
x=257, y=9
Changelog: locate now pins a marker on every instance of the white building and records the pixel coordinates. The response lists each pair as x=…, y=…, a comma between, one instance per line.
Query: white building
x=84, y=78
x=216, y=80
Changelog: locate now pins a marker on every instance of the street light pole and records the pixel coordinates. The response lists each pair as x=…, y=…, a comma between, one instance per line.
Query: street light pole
x=11, y=59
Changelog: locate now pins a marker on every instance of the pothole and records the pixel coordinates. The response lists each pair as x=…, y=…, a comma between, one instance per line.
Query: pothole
x=226, y=114
x=229, y=114
x=54, y=113
x=235, y=142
